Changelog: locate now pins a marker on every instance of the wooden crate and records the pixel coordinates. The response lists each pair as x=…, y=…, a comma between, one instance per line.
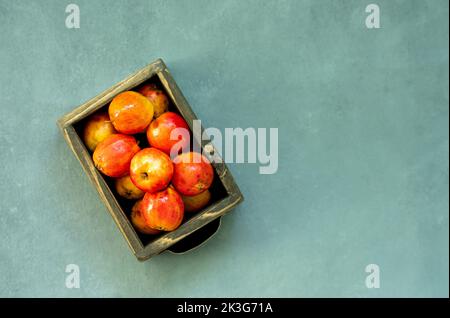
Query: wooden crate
x=195, y=229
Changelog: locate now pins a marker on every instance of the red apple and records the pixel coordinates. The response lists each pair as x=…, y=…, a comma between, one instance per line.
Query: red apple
x=156, y=97
x=151, y=170
x=163, y=210
x=192, y=174
x=96, y=129
x=130, y=112
x=113, y=155
x=137, y=219
x=158, y=133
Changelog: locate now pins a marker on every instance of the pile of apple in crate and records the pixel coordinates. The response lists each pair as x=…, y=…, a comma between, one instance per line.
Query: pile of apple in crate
x=164, y=180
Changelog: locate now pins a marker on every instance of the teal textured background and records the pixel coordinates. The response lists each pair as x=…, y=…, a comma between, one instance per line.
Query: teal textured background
x=363, y=140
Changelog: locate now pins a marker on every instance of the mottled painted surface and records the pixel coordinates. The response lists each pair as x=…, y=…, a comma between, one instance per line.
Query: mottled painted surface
x=363, y=141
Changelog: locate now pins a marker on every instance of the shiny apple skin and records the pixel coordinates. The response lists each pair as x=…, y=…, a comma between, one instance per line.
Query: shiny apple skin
x=126, y=188
x=158, y=133
x=113, y=155
x=130, y=112
x=192, y=174
x=197, y=202
x=96, y=129
x=151, y=170
x=156, y=97
x=138, y=221
x=163, y=210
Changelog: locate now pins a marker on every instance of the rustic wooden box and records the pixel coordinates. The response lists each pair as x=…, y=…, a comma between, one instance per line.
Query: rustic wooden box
x=197, y=227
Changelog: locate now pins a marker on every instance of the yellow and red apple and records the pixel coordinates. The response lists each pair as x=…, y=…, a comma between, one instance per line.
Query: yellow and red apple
x=197, y=202
x=159, y=132
x=113, y=155
x=138, y=220
x=151, y=170
x=156, y=97
x=126, y=188
x=163, y=210
x=96, y=129
x=192, y=174
x=130, y=112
